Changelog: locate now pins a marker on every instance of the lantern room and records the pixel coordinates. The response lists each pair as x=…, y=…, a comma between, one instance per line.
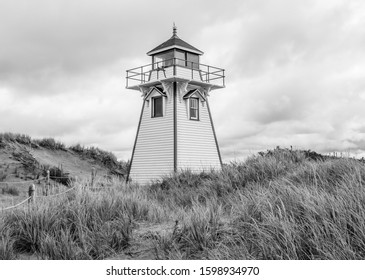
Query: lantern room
x=175, y=51
x=175, y=59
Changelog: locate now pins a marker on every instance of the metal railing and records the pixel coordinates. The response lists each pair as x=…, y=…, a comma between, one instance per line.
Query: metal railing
x=175, y=67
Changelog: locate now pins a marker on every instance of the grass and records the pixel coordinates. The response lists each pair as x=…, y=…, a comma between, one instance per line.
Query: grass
x=10, y=190
x=281, y=204
x=81, y=225
x=107, y=159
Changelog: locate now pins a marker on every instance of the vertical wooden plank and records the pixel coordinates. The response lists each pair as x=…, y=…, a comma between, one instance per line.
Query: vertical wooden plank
x=175, y=129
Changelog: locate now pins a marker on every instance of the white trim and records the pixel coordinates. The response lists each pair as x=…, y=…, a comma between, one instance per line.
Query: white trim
x=197, y=109
x=188, y=108
x=152, y=107
x=195, y=93
x=151, y=92
x=173, y=47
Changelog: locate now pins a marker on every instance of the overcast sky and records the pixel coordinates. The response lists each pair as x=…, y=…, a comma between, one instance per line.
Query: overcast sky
x=295, y=70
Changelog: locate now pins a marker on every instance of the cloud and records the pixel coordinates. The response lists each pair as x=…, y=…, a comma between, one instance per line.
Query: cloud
x=294, y=69
x=297, y=76
x=47, y=44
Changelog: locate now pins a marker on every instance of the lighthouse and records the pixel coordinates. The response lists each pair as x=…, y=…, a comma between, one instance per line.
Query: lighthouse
x=175, y=130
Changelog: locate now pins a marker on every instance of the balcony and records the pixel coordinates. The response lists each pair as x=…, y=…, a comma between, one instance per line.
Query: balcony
x=175, y=69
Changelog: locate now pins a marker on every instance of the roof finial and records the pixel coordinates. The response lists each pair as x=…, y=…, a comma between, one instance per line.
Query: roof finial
x=174, y=30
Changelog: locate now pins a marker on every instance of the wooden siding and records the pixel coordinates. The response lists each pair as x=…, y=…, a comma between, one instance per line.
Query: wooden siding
x=153, y=155
x=188, y=73
x=181, y=72
x=196, y=147
x=157, y=75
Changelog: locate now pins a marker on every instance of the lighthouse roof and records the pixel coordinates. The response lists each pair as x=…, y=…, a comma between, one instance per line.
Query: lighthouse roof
x=174, y=42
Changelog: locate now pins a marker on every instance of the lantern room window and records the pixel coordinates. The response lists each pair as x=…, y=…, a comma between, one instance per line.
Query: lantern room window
x=194, y=108
x=164, y=59
x=157, y=107
x=180, y=58
x=192, y=60
x=177, y=57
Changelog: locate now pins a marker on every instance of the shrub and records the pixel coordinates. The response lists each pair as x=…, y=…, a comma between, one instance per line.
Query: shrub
x=10, y=190
x=77, y=148
x=58, y=175
x=51, y=143
x=2, y=176
x=15, y=137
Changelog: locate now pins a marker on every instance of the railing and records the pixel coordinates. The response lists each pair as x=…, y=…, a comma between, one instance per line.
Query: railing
x=175, y=67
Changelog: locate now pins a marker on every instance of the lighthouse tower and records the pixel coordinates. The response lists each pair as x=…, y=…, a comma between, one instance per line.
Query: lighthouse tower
x=175, y=130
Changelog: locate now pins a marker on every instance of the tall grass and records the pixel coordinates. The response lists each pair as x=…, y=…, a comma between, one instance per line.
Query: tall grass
x=11, y=190
x=80, y=225
x=281, y=204
x=7, y=251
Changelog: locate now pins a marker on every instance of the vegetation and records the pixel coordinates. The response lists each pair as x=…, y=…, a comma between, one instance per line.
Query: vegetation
x=15, y=137
x=107, y=159
x=9, y=190
x=50, y=143
x=58, y=175
x=2, y=176
x=280, y=204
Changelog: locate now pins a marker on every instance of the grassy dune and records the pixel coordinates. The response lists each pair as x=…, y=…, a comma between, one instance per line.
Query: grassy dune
x=277, y=205
x=24, y=160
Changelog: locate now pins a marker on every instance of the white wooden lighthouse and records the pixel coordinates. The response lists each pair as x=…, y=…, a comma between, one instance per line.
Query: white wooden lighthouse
x=175, y=130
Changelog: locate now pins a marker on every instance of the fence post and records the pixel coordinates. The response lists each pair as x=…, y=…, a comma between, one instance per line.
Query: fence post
x=31, y=193
x=93, y=173
x=48, y=182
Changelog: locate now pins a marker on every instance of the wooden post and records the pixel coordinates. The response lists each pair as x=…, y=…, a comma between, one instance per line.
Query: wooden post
x=48, y=182
x=93, y=173
x=31, y=193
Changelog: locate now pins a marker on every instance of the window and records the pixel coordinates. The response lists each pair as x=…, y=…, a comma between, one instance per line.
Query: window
x=180, y=58
x=194, y=108
x=164, y=59
x=192, y=60
x=157, y=107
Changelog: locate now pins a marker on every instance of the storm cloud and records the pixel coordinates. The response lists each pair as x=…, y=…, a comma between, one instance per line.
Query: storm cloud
x=294, y=70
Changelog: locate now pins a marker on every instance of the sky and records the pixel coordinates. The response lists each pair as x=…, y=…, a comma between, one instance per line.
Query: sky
x=295, y=70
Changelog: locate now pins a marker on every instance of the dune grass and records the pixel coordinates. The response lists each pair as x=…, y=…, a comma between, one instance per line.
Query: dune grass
x=277, y=205
x=84, y=224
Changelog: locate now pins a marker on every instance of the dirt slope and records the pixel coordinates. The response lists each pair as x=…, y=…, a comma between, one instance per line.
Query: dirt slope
x=21, y=163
